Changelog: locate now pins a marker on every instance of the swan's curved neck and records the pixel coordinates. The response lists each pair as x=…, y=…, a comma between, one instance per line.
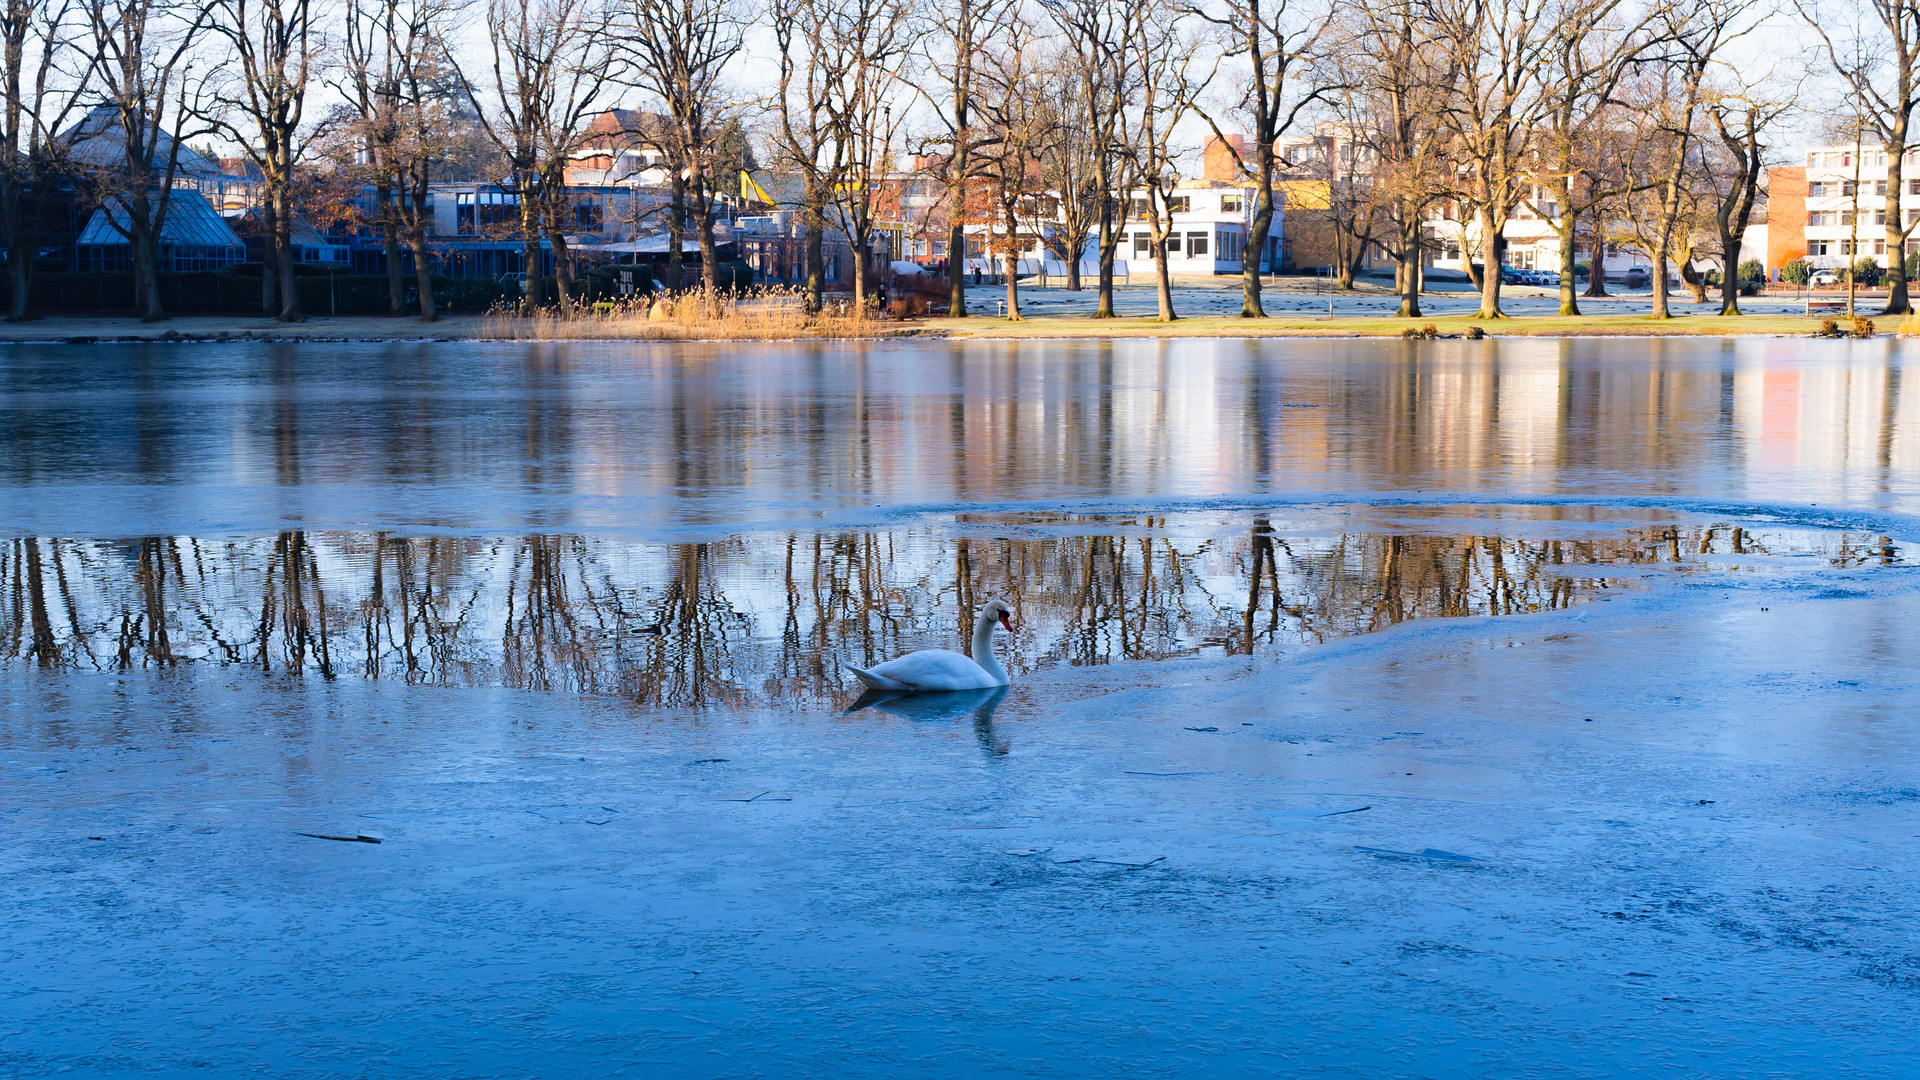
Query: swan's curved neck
x=982, y=651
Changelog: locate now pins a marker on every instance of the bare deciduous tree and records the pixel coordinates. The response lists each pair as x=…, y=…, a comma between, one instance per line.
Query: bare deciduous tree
x=129, y=149
x=1874, y=47
x=273, y=51
x=42, y=85
x=552, y=63
x=1098, y=43
x=1275, y=42
x=956, y=45
x=1499, y=51
x=680, y=50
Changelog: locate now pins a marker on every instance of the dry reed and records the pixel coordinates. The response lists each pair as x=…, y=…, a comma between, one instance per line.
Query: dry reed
x=768, y=314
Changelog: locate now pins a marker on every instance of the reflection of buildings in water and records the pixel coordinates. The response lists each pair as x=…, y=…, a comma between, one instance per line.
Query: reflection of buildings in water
x=713, y=428
x=770, y=617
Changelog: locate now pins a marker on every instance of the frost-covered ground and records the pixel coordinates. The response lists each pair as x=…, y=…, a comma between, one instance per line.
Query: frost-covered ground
x=1668, y=834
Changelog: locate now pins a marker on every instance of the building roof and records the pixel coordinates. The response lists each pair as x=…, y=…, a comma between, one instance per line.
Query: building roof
x=98, y=140
x=190, y=220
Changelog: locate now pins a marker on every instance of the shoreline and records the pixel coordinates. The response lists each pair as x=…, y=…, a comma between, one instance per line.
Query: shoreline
x=95, y=330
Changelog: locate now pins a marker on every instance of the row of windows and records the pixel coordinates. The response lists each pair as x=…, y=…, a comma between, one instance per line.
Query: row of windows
x=1826, y=189
x=1843, y=159
x=1194, y=245
x=1183, y=204
x=1818, y=218
x=1845, y=247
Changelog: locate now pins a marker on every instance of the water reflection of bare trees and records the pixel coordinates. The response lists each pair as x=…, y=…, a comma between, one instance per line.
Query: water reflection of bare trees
x=770, y=617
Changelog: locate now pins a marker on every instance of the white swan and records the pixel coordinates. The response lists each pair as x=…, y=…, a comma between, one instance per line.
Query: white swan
x=931, y=670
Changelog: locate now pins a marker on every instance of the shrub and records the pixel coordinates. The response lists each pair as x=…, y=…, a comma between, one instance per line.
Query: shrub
x=1828, y=328
x=1752, y=277
x=1862, y=326
x=1796, y=272
x=1411, y=333
x=1474, y=333
x=1867, y=271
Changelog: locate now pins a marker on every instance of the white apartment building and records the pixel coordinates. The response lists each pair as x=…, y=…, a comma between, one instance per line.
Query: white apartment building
x=1841, y=182
x=1208, y=233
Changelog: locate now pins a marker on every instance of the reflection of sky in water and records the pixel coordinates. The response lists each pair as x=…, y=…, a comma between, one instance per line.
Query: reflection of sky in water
x=649, y=440
x=769, y=616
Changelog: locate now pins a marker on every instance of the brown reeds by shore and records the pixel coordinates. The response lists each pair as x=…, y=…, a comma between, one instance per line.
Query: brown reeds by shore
x=767, y=314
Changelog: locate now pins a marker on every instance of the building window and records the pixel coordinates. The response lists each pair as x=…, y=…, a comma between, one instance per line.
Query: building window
x=1173, y=243
x=1142, y=245
x=1846, y=187
x=1179, y=204
x=1230, y=204
x=1196, y=244
x=1820, y=218
x=476, y=210
x=1817, y=189
x=1879, y=187
x=586, y=215
x=1140, y=209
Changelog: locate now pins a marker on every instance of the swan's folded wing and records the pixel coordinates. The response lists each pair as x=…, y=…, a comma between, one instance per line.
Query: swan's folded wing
x=936, y=669
x=874, y=680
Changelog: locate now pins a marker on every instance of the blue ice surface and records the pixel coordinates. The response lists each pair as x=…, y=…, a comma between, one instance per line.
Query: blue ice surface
x=1675, y=829
x=1690, y=822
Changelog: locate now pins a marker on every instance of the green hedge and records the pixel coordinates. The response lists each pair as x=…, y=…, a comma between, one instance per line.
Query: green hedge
x=222, y=293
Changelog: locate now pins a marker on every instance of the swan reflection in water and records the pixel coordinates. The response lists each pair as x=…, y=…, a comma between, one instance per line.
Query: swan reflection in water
x=940, y=705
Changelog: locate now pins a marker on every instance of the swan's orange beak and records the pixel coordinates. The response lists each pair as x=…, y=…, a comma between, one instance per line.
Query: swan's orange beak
x=1006, y=620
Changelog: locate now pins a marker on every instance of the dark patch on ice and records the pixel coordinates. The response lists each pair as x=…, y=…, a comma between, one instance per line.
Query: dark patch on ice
x=1901, y=974
x=1429, y=853
x=1840, y=594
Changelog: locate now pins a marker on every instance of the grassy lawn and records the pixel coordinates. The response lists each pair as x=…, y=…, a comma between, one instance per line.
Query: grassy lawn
x=1384, y=326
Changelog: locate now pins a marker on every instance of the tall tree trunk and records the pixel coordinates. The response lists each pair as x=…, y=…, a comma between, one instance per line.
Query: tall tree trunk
x=1110, y=236
x=1257, y=232
x=1691, y=277
x=703, y=234
x=21, y=211
x=1898, y=302
x=957, y=270
x=1660, y=276
x=534, y=292
x=283, y=252
x=676, y=234
x=390, y=246
x=1729, y=272
x=862, y=258
x=1011, y=261
x=1597, y=268
x=1162, y=279
x=1491, y=243
x=1568, y=229
x=1408, y=275
x=145, y=246
x=816, y=267
x=423, y=271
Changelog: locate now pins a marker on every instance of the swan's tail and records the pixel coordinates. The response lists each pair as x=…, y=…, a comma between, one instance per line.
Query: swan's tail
x=876, y=682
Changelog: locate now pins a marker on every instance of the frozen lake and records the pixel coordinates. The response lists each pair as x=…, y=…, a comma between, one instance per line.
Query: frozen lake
x=1451, y=709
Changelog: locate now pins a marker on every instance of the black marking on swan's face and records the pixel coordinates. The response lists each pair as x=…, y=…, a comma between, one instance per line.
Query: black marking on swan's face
x=997, y=609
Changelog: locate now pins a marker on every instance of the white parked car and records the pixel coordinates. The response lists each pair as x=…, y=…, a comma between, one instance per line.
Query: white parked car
x=1824, y=277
